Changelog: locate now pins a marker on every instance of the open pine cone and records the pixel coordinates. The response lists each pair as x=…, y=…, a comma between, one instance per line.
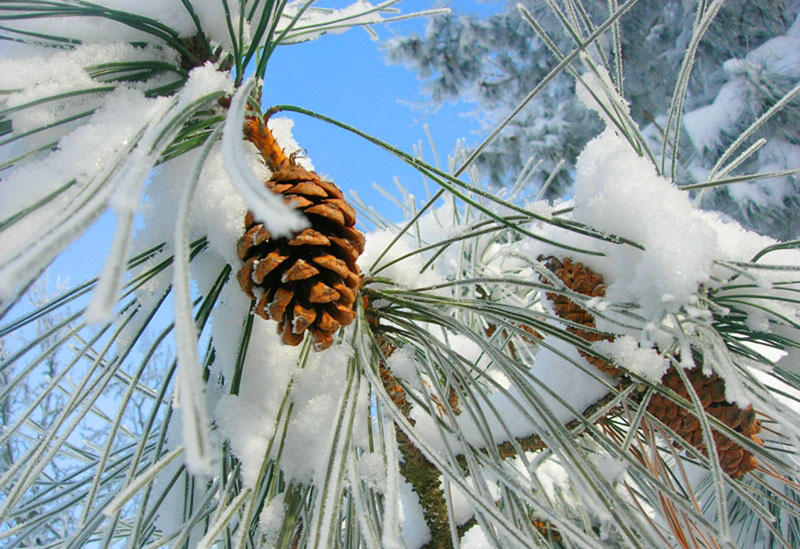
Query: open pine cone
x=307, y=282
x=733, y=459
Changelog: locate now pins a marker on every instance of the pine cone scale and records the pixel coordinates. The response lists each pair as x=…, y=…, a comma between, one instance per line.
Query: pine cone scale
x=322, y=293
x=310, y=237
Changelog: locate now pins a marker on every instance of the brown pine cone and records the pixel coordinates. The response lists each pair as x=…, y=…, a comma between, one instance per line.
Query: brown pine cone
x=734, y=459
x=579, y=278
x=308, y=281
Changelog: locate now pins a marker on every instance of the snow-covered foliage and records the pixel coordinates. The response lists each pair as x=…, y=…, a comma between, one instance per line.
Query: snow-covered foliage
x=746, y=62
x=766, y=75
x=462, y=406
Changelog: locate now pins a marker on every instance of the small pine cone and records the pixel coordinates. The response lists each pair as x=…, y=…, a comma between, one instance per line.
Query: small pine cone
x=579, y=278
x=735, y=460
x=308, y=281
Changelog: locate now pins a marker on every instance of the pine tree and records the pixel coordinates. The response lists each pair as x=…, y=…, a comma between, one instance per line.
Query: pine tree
x=592, y=373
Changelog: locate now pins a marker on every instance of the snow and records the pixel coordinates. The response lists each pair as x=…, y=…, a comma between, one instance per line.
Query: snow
x=461, y=508
x=314, y=387
x=780, y=54
x=267, y=369
x=85, y=152
x=215, y=23
x=474, y=538
x=327, y=20
x=404, y=366
x=706, y=125
x=41, y=235
x=626, y=351
x=372, y=470
x=404, y=273
x=754, y=82
x=597, y=92
x=101, y=30
x=39, y=73
x=619, y=192
x=513, y=405
x=281, y=128
x=211, y=17
x=776, y=155
x=217, y=210
x=203, y=80
x=414, y=530
x=270, y=520
x=611, y=468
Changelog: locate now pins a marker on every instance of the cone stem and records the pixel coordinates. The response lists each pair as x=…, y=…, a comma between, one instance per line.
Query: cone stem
x=257, y=132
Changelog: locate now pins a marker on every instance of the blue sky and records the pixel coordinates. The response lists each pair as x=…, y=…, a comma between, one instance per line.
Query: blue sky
x=343, y=76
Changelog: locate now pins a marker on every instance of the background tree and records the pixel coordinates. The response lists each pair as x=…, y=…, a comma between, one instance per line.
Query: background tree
x=496, y=62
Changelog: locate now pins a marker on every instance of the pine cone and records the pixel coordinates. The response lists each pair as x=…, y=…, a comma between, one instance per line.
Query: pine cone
x=308, y=281
x=734, y=459
x=579, y=278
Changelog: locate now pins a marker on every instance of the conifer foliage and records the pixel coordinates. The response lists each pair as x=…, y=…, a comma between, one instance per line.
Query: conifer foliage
x=615, y=369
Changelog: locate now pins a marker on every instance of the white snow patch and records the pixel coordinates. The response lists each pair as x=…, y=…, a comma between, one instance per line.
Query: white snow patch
x=612, y=468
x=627, y=353
x=267, y=371
x=705, y=125
x=213, y=20
x=248, y=429
x=475, y=538
x=315, y=390
x=281, y=128
x=461, y=506
x=203, y=80
x=372, y=470
x=577, y=387
x=553, y=478
x=414, y=530
x=271, y=519
x=217, y=209
x=403, y=364
x=327, y=20
x=606, y=100
x=89, y=28
x=405, y=273
x=619, y=192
